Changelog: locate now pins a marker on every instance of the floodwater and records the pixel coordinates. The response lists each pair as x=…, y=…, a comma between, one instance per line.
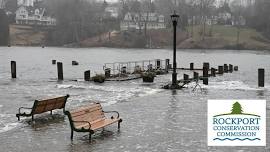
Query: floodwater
x=153, y=119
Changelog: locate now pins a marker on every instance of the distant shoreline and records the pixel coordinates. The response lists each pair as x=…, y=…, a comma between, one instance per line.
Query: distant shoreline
x=165, y=48
x=222, y=39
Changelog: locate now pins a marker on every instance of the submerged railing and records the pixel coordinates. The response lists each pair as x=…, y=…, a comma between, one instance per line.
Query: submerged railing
x=132, y=67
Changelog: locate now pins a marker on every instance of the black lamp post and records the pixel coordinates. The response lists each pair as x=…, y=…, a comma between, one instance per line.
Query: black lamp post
x=174, y=18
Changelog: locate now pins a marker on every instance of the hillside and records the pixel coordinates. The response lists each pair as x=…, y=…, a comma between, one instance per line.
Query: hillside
x=21, y=35
x=225, y=37
x=222, y=37
x=154, y=39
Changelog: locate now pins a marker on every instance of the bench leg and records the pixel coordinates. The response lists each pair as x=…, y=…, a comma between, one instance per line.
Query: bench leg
x=18, y=118
x=32, y=117
x=90, y=136
x=119, y=124
x=71, y=136
x=51, y=112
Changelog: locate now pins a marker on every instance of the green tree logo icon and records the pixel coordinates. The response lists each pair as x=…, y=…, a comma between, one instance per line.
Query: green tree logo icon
x=236, y=108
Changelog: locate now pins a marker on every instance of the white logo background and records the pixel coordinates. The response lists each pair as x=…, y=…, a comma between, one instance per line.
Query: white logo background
x=216, y=107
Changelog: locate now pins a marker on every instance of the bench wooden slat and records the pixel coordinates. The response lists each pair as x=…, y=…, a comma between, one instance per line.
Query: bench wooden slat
x=41, y=106
x=97, y=125
x=103, y=123
x=89, y=116
x=49, y=104
x=92, y=106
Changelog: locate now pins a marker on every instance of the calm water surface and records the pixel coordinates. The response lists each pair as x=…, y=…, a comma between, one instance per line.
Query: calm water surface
x=154, y=119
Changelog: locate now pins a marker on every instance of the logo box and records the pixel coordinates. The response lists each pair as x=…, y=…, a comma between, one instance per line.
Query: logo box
x=236, y=123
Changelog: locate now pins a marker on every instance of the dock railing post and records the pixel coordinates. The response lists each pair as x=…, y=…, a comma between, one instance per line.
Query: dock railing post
x=230, y=68
x=220, y=70
x=167, y=63
x=107, y=72
x=213, y=72
x=158, y=64
x=195, y=75
x=226, y=70
x=186, y=78
x=207, y=65
x=235, y=68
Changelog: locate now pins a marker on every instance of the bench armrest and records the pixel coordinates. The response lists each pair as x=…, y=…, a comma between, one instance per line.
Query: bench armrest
x=23, y=108
x=83, y=122
x=112, y=112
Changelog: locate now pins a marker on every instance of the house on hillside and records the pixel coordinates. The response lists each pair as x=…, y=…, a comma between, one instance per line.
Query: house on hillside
x=136, y=21
x=224, y=18
x=111, y=12
x=238, y=21
x=32, y=13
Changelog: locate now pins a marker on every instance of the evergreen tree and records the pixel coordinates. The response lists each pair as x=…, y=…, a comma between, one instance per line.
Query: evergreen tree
x=237, y=108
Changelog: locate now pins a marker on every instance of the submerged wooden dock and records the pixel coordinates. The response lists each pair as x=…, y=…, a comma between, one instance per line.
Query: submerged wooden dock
x=127, y=78
x=125, y=71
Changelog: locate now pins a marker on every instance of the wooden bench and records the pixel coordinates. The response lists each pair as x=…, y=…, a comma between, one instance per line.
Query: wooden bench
x=41, y=106
x=91, y=118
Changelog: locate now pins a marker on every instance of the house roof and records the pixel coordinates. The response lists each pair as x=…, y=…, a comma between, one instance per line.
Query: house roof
x=135, y=16
x=31, y=10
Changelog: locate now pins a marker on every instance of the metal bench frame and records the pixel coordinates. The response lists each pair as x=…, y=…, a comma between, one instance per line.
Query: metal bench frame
x=31, y=114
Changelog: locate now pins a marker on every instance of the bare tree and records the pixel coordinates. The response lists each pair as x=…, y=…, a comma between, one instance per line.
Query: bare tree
x=237, y=11
x=206, y=7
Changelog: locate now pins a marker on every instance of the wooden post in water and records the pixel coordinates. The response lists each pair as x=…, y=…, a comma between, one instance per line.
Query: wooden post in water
x=207, y=65
x=167, y=62
x=191, y=67
x=220, y=70
x=235, y=68
x=205, y=75
x=170, y=66
x=87, y=75
x=261, y=77
x=158, y=63
x=186, y=77
x=53, y=61
x=107, y=72
x=195, y=75
x=60, y=70
x=226, y=68
x=230, y=68
x=13, y=70
x=75, y=63
x=213, y=72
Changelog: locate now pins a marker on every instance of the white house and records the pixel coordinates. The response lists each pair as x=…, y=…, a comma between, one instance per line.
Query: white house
x=112, y=11
x=238, y=21
x=25, y=2
x=33, y=16
x=225, y=16
x=135, y=21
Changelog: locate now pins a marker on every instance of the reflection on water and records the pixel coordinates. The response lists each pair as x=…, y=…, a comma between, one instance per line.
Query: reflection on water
x=260, y=93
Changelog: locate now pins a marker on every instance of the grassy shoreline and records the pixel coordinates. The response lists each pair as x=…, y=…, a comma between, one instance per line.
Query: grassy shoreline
x=216, y=37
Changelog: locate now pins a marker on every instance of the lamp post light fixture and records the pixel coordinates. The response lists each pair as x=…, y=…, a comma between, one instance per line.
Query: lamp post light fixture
x=174, y=18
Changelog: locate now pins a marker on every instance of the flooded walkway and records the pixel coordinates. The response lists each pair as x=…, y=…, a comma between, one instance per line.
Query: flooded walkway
x=153, y=119
x=168, y=121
